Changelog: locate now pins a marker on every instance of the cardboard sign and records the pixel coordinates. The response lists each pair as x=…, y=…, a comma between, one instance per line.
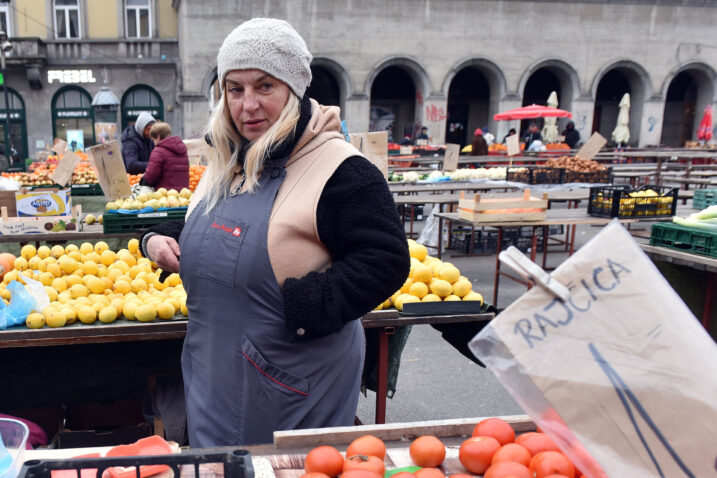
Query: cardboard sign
x=512, y=142
x=592, y=146
x=374, y=146
x=405, y=150
x=421, y=142
x=107, y=160
x=59, y=146
x=450, y=160
x=65, y=167
x=621, y=375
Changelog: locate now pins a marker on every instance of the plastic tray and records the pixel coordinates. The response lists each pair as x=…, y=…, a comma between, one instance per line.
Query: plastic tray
x=704, y=198
x=13, y=434
x=616, y=201
x=682, y=238
x=119, y=223
x=235, y=464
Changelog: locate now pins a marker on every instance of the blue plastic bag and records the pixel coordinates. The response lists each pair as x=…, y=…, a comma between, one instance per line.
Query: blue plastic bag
x=21, y=304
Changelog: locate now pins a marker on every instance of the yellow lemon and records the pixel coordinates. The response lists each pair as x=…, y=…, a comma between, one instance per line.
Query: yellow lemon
x=11, y=276
x=401, y=299
x=51, y=293
x=108, y=314
x=100, y=247
x=461, y=287
x=449, y=273
x=59, y=284
x=54, y=269
x=34, y=263
x=173, y=280
x=159, y=285
x=75, y=255
x=127, y=258
x=35, y=321
x=406, y=286
x=145, y=313
x=441, y=288
x=79, y=290
x=73, y=279
x=114, y=274
x=121, y=266
x=408, y=299
x=133, y=246
x=165, y=310
x=21, y=264
x=431, y=298
x=184, y=310
x=70, y=315
x=122, y=286
x=83, y=300
x=129, y=309
x=92, y=256
x=95, y=284
x=55, y=318
x=108, y=283
x=107, y=257
x=417, y=250
x=138, y=285
x=419, y=289
x=86, y=314
x=98, y=306
x=57, y=252
x=422, y=273
x=452, y=298
x=43, y=251
x=118, y=304
x=5, y=294
x=90, y=267
x=102, y=271
x=64, y=297
x=379, y=306
x=28, y=251
x=46, y=278
x=68, y=265
x=71, y=248
x=472, y=295
x=86, y=248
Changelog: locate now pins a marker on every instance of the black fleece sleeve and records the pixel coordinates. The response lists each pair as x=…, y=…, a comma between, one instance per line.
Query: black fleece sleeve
x=170, y=228
x=358, y=222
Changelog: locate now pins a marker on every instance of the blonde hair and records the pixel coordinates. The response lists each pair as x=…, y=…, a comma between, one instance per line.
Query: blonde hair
x=160, y=130
x=227, y=145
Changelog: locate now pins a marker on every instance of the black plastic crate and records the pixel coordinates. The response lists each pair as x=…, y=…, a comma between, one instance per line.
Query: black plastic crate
x=682, y=238
x=119, y=223
x=234, y=464
x=86, y=190
x=535, y=175
x=623, y=201
x=604, y=176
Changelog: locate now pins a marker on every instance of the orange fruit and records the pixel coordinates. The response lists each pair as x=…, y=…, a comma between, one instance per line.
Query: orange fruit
x=476, y=453
x=496, y=428
x=324, y=459
x=367, y=445
x=427, y=451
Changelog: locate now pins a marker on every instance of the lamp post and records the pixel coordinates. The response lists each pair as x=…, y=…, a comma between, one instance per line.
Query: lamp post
x=5, y=47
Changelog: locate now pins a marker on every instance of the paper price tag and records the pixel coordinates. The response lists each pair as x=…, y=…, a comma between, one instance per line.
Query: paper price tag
x=65, y=167
x=404, y=150
x=592, y=146
x=450, y=160
x=513, y=144
x=107, y=160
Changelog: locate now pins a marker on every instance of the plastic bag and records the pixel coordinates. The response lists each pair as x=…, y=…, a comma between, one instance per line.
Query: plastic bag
x=37, y=291
x=138, y=189
x=21, y=304
x=429, y=234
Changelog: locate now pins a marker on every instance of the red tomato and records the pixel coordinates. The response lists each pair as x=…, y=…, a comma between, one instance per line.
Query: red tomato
x=512, y=452
x=324, y=459
x=536, y=442
x=496, y=428
x=367, y=445
x=427, y=451
x=365, y=462
x=476, y=453
x=508, y=469
x=551, y=462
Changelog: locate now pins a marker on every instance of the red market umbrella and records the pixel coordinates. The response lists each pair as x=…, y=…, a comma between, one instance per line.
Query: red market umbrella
x=531, y=112
x=704, y=132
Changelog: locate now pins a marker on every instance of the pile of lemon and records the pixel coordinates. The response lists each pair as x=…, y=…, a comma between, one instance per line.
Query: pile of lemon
x=430, y=280
x=91, y=282
x=160, y=198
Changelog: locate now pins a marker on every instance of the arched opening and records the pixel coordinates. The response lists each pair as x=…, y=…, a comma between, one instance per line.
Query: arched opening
x=468, y=105
x=141, y=98
x=541, y=83
x=324, y=87
x=393, y=103
x=17, y=139
x=612, y=86
x=72, y=117
x=687, y=95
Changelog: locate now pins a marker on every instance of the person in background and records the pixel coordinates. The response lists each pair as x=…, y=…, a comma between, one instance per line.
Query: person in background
x=572, y=136
x=136, y=144
x=291, y=236
x=533, y=134
x=489, y=137
x=479, y=146
x=406, y=141
x=511, y=132
x=168, y=166
x=423, y=134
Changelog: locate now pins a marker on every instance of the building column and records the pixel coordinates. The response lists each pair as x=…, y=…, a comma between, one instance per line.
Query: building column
x=583, y=111
x=651, y=124
x=432, y=113
x=357, y=112
x=195, y=115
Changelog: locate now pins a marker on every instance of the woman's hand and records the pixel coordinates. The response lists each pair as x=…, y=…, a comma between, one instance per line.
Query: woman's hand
x=164, y=251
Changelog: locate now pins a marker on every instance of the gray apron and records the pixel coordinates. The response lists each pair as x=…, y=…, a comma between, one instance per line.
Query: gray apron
x=245, y=373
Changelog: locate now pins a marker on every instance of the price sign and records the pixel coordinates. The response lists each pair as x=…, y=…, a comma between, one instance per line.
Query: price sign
x=65, y=167
x=107, y=159
x=592, y=146
x=450, y=160
x=513, y=144
x=374, y=146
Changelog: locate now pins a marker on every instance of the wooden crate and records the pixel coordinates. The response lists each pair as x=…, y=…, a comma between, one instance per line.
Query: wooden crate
x=527, y=208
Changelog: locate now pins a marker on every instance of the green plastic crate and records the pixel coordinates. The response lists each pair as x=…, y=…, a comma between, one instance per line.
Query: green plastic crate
x=704, y=198
x=86, y=190
x=686, y=239
x=119, y=223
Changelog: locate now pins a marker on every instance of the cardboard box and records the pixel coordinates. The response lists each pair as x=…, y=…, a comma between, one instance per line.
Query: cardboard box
x=7, y=200
x=11, y=225
x=43, y=202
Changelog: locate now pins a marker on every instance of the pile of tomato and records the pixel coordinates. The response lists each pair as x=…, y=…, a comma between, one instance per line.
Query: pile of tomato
x=493, y=451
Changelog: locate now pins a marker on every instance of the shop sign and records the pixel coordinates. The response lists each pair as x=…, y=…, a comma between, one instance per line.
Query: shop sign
x=73, y=114
x=134, y=113
x=71, y=76
x=3, y=115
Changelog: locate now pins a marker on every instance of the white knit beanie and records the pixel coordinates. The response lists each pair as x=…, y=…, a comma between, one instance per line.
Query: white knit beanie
x=270, y=45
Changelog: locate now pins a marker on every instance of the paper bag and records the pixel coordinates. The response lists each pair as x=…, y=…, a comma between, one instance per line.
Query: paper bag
x=59, y=146
x=107, y=160
x=622, y=372
x=65, y=167
x=374, y=146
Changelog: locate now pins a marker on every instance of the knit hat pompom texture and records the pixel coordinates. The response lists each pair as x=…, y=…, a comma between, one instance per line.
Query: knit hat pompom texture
x=270, y=45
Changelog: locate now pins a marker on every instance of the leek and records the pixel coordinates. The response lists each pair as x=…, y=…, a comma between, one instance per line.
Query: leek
x=707, y=213
x=703, y=224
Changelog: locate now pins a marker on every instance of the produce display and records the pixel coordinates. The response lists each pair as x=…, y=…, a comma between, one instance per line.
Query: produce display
x=463, y=174
x=622, y=201
x=705, y=220
x=195, y=174
x=91, y=282
x=430, y=280
x=39, y=173
x=161, y=198
x=576, y=163
x=493, y=451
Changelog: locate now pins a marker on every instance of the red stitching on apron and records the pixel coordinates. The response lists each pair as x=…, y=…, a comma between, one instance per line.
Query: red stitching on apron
x=272, y=378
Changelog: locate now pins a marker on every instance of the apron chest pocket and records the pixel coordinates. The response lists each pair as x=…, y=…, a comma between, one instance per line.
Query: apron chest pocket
x=221, y=245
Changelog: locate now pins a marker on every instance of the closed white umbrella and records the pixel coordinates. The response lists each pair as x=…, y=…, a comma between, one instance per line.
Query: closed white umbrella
x=550, y=130
x=621, y=133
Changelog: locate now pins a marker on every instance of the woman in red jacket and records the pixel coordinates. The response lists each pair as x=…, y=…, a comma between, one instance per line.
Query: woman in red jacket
x=168, y=165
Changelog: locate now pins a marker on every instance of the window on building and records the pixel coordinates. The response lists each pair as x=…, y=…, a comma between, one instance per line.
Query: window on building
x=5, y=18
x=137, y=18
x=67, y=19
x=72, y=116
x=141, y=98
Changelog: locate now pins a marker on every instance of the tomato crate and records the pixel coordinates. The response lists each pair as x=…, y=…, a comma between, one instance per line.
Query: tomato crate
x=704, y=198
x=604, y=176
x=113, y=223
x=86, y=190
x=683, y=238
x=624, y=201
x=535, y=175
